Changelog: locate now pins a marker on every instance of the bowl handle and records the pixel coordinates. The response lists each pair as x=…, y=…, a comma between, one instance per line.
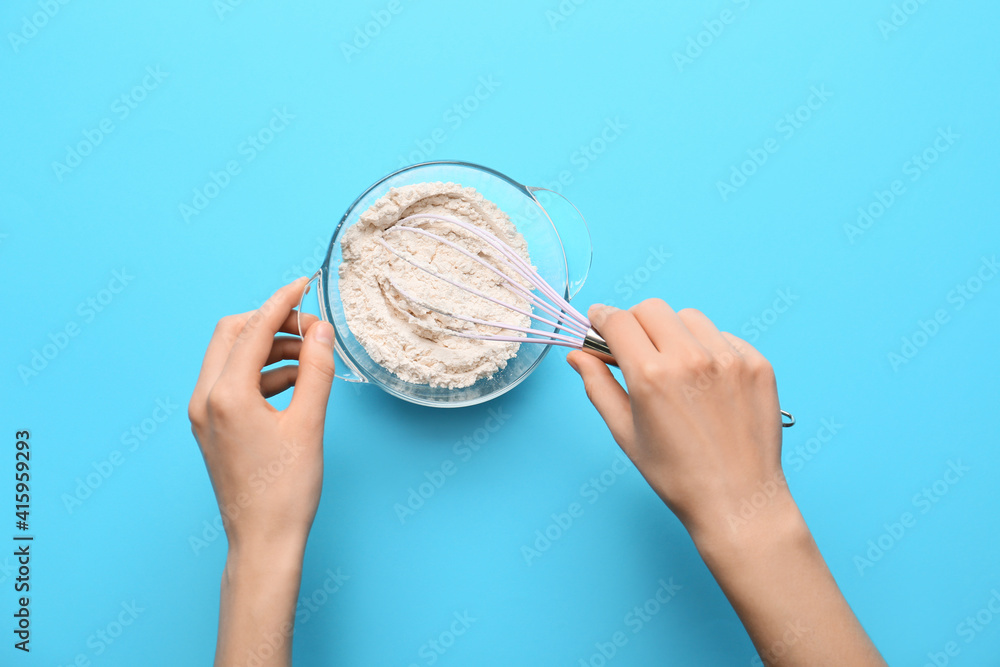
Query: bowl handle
x=573, y=232
x=352, y=374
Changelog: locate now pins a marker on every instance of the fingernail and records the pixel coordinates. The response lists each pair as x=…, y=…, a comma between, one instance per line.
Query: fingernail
x=324, y=333
x=572, y=362
x=599, y=311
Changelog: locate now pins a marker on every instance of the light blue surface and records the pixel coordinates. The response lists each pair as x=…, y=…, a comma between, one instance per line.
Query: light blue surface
x=553, y=87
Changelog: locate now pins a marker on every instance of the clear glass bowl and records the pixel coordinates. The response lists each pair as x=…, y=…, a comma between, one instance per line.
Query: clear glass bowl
x=562, y=259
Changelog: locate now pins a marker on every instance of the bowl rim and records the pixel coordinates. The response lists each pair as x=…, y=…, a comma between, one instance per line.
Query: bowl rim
x=325, y=285
x=457, y=163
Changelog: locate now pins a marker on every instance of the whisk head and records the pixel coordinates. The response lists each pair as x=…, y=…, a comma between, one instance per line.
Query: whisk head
x=565, y=325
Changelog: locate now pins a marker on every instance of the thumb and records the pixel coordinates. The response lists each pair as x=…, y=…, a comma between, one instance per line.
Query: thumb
x=316, y=367
x=607, y=395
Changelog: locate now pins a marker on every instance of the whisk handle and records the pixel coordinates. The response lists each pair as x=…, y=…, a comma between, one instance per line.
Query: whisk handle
x=595, y=344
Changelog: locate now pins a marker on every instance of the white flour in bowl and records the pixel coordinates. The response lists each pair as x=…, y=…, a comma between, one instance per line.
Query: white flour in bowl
x=406, y=338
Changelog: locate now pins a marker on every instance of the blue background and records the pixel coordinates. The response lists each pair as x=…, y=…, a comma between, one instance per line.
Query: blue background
x=557, y=80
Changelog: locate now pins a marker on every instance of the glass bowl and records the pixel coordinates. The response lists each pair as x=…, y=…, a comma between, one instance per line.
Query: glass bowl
x=562, y=259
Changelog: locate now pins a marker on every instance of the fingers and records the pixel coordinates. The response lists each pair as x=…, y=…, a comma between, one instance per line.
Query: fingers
x=628, y=341
x=316, y=369
x=663, y=326
x=292, y=323
x=603, y=390
x=284, y=348
x=277, y=380
x=761, y=373
x=755, y=362
x=253, y=345
x=705, y=332
x=226, y=331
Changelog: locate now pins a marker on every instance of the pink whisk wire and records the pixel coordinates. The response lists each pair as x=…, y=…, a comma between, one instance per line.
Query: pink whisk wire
x=511, y=283
x=568, y=340
x=516, y=262
x=567, y=318
x=466, y=288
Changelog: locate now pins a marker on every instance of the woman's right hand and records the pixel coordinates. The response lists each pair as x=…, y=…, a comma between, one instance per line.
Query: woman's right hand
x=700, y=419
x=701, y=422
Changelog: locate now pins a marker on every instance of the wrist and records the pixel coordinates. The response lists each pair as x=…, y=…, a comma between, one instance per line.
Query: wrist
x=266, y=539
x=752, y=532
x=256, y=561
x=259, y=596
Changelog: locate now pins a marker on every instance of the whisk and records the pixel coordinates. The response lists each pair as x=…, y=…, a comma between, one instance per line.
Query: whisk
x=570, y=328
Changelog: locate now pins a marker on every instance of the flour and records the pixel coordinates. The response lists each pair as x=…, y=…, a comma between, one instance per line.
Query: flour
x=405, y=337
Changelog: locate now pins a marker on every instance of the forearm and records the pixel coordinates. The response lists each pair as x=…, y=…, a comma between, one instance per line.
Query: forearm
x=771, y=570
x=260, y=588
